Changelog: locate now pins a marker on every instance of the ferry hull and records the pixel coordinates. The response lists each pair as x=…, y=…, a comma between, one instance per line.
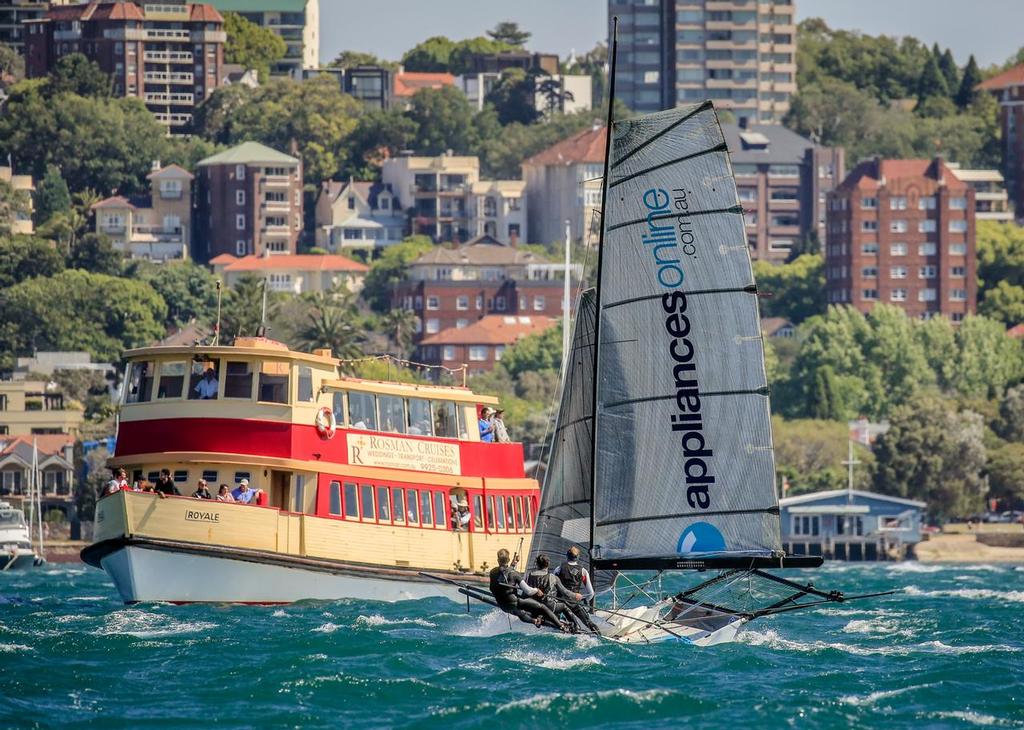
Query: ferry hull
x=19, y=560
x=143, y=574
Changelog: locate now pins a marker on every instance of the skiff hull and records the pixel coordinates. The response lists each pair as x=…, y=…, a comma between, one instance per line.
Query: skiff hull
x=144, y=574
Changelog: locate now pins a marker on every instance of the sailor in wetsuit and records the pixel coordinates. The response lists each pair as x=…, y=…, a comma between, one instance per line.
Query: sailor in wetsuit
x=552, y=589
x=576, y=578
x=505, y=584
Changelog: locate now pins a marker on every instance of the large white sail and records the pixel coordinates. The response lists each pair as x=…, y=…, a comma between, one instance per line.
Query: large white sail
x=684, y=461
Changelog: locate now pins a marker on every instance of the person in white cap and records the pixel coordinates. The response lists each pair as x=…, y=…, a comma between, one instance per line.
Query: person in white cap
x=243, y=494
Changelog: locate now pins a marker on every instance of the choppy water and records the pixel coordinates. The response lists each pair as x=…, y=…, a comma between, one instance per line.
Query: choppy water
x=947, y=653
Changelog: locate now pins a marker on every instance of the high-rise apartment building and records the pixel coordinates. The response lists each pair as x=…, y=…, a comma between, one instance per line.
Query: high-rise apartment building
x=1008, y=88
x=13, y=13
x=739, y=53
x=902, y=232
x=296, y=21
x=170, y=55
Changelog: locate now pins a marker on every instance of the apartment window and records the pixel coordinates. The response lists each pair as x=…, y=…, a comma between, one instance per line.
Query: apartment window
x=958, y=295
x=479, y=301
x=786, y=219
x=898, y=226
x=958, y=249
x=926, y=295
x=958, y=226
x=240, y=248
x=926, y=226
x=898, y=272
x=958, y=203
x=898, y=203
x=926, y=249
x=898, y=295
x=748, y=195
x=869, y=248
x=926, y=202
x=499, y=304
x=240, y=197
x=898, y=249
x=448, y=353
x=869, y=203
x=462, y=303
x=869, y=294
x=477, y=353
x=958, y=316
x=958, y=272
x=240, y=222
x=538, y=304
x=433, y=326
x=869, y=226
x=926, y=272
x=240, y=172
x=780, y=244
x=783, y=170
x=433, y=303
x=869, y=272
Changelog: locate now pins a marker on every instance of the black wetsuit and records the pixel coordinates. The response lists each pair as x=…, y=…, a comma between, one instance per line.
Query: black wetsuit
x=553, y=590
x=504, y=588
x=572, y=578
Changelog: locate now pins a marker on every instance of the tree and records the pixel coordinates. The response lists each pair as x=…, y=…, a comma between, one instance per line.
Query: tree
x=1011, y=414
x=379, y=135
x=1004, y=303
x=555, y=95
x=513, y=97
x=52, y=196
x=444, y=121
x=823, y=405
x=795, y=287
x=463, y=58
x=949, y=71
x=76, y=74
x=932, y=82
x=251, y=45
x=12, y=66
x=353, y=59
x=389, y=271
x=968, y=83
x=810, y=454
x=332, y=322
x=1006, y=472
x=242, y=313
x=509, y=33
x=190, y=290
x=432, y=55
x=986, y=359
x=400, y=327
x=542, y=351
x=94, y=252
x=24, y=258
x=933, y=453
x=15, y=205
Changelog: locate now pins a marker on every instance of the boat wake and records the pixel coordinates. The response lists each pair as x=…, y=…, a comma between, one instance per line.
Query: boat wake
x=144, y=625
x=976, y=594
x=771, y=640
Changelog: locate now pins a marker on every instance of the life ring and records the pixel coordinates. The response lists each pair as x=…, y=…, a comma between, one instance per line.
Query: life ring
x=326, y=423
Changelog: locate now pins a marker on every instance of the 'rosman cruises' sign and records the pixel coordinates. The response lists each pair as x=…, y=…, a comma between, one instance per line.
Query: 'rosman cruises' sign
x=396, y=453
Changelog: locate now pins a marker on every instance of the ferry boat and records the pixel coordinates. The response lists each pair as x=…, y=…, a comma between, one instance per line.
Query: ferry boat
x=15, y=541
x=359, y=482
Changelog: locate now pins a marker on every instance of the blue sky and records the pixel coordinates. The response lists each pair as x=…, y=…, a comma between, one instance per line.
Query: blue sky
x=990, y=29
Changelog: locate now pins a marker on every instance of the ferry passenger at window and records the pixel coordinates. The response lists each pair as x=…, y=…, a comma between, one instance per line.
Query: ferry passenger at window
x=164, y=486
x=119, y=482
x=224, y=494
x=243, y=494
x=460, y=512
x=486, y=425
x=207, y=387
x=500, y=432
x=202, y=492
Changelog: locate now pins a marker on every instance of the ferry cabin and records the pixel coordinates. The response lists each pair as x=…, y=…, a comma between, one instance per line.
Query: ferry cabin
x=376, y=489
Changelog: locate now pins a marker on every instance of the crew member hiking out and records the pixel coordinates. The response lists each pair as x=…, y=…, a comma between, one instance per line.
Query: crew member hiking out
x=505, y=585
x=552, y=590
x=576, y=578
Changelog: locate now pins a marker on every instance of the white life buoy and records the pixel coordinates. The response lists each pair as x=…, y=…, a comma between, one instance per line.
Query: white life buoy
x=326, y=424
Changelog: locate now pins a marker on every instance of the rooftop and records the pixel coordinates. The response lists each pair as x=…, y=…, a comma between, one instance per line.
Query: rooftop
x=1010, y=77
x=48, y=444
x=969, y=176
x=832, y=493
x=484, y=253
x=764, y=143
x=493, y=329
x=585, y=147
x=407, y=83
x=259, y=6
x=171, y=172
x=291, y=262
x=871, y=174
x=771, y=325
x=249, y=153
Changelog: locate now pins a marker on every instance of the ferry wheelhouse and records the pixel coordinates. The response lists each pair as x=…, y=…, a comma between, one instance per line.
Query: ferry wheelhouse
x=360, y=479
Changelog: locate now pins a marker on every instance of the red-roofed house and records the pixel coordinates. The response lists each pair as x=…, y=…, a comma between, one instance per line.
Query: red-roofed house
x=902, y=232
x=1008, y=88
x=56, y=469
x=295, y=273
x=563, y=183
x=167, y=54
x=407, y=83
x=481, y=344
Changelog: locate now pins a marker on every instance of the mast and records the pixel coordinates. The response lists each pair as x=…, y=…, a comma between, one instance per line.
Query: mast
x=565, y=303
x=612, y=52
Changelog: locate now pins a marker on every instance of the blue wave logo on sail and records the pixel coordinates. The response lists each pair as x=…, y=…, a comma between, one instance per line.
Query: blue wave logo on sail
x=700, y=537
x=665, y=237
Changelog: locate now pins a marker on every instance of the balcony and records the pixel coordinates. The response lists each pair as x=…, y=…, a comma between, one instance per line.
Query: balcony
x=276, y=206
x=167, y=57
x=159, y=233
x=173, y=120
x=163, y=34
x=276, y=230
x=275, y=181
x=112, y=228
x=187, y=99
x=168, y=77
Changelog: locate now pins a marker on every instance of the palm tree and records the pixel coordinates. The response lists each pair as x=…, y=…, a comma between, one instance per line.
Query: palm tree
x=554, y=95
x=243, y=310
x=400, y=325
x=332, y=322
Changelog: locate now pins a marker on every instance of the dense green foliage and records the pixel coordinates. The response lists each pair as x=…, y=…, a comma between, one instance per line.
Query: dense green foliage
x=252, y=46
x=792, y=290
x=389, y=270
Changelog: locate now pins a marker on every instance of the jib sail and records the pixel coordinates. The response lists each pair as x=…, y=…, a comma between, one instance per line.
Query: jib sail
x=684, y=461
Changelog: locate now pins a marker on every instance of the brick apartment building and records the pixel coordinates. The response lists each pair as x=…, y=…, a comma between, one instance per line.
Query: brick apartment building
x=248, y=201
x=782, y=180
x=169, y=54
x=902, y=232
x=14, y=13
x=480, y=345
x=1008, y=88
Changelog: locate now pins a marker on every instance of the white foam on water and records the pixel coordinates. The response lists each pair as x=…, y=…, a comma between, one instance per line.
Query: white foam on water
x=876, y=626
x=279, y=613
x=89, y=598
x=549, y=661
x=544, y=701
x=378, y=620
x=915, y=567
x=984, y=594
x=144, y=625
x=772, y=640
x=972, y=718
x=327, y=628
x=491, y=623
x=14, y=648
x=874, y=697
x=940, y=648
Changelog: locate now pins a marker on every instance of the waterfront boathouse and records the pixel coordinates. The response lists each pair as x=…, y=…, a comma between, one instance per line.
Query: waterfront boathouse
x=846, y=524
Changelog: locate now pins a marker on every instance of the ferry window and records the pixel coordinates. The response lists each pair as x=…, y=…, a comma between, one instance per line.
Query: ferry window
x=335, y=508
x=172, y=379
x=300, y=488
x=439, y=509
x=478, y=512
x=509, y=502
x=140, y=382
x=351, y=502
x=306, y=384
x=410, y=502
x=152, y=477
x=338, y=407
x=398, y=502
x=419, y=417
x=383, y=505
x=392, y=413
x=425, y=506
x=181, y=475
x=366, y=502
x=240, y=475
x=501, y=513
x=527, y=512
x=201, y=387
x=362, y=411
x=136, y=476
x=210, y=475
x=519, y=512
x=445, y=424
x=273, y=386
x=238, y=382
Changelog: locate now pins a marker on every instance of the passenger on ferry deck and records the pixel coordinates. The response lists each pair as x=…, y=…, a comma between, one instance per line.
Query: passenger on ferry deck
x=224, y=494
x=500, y=432
x=207, y=387
x=164, y=486
x=119, y=482
x=202, y=492
x=243, y=494
x=460, y=511
x=486, y=425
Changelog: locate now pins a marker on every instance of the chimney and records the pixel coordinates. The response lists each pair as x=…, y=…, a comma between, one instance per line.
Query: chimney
x=155, y=167
x=513, y=239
